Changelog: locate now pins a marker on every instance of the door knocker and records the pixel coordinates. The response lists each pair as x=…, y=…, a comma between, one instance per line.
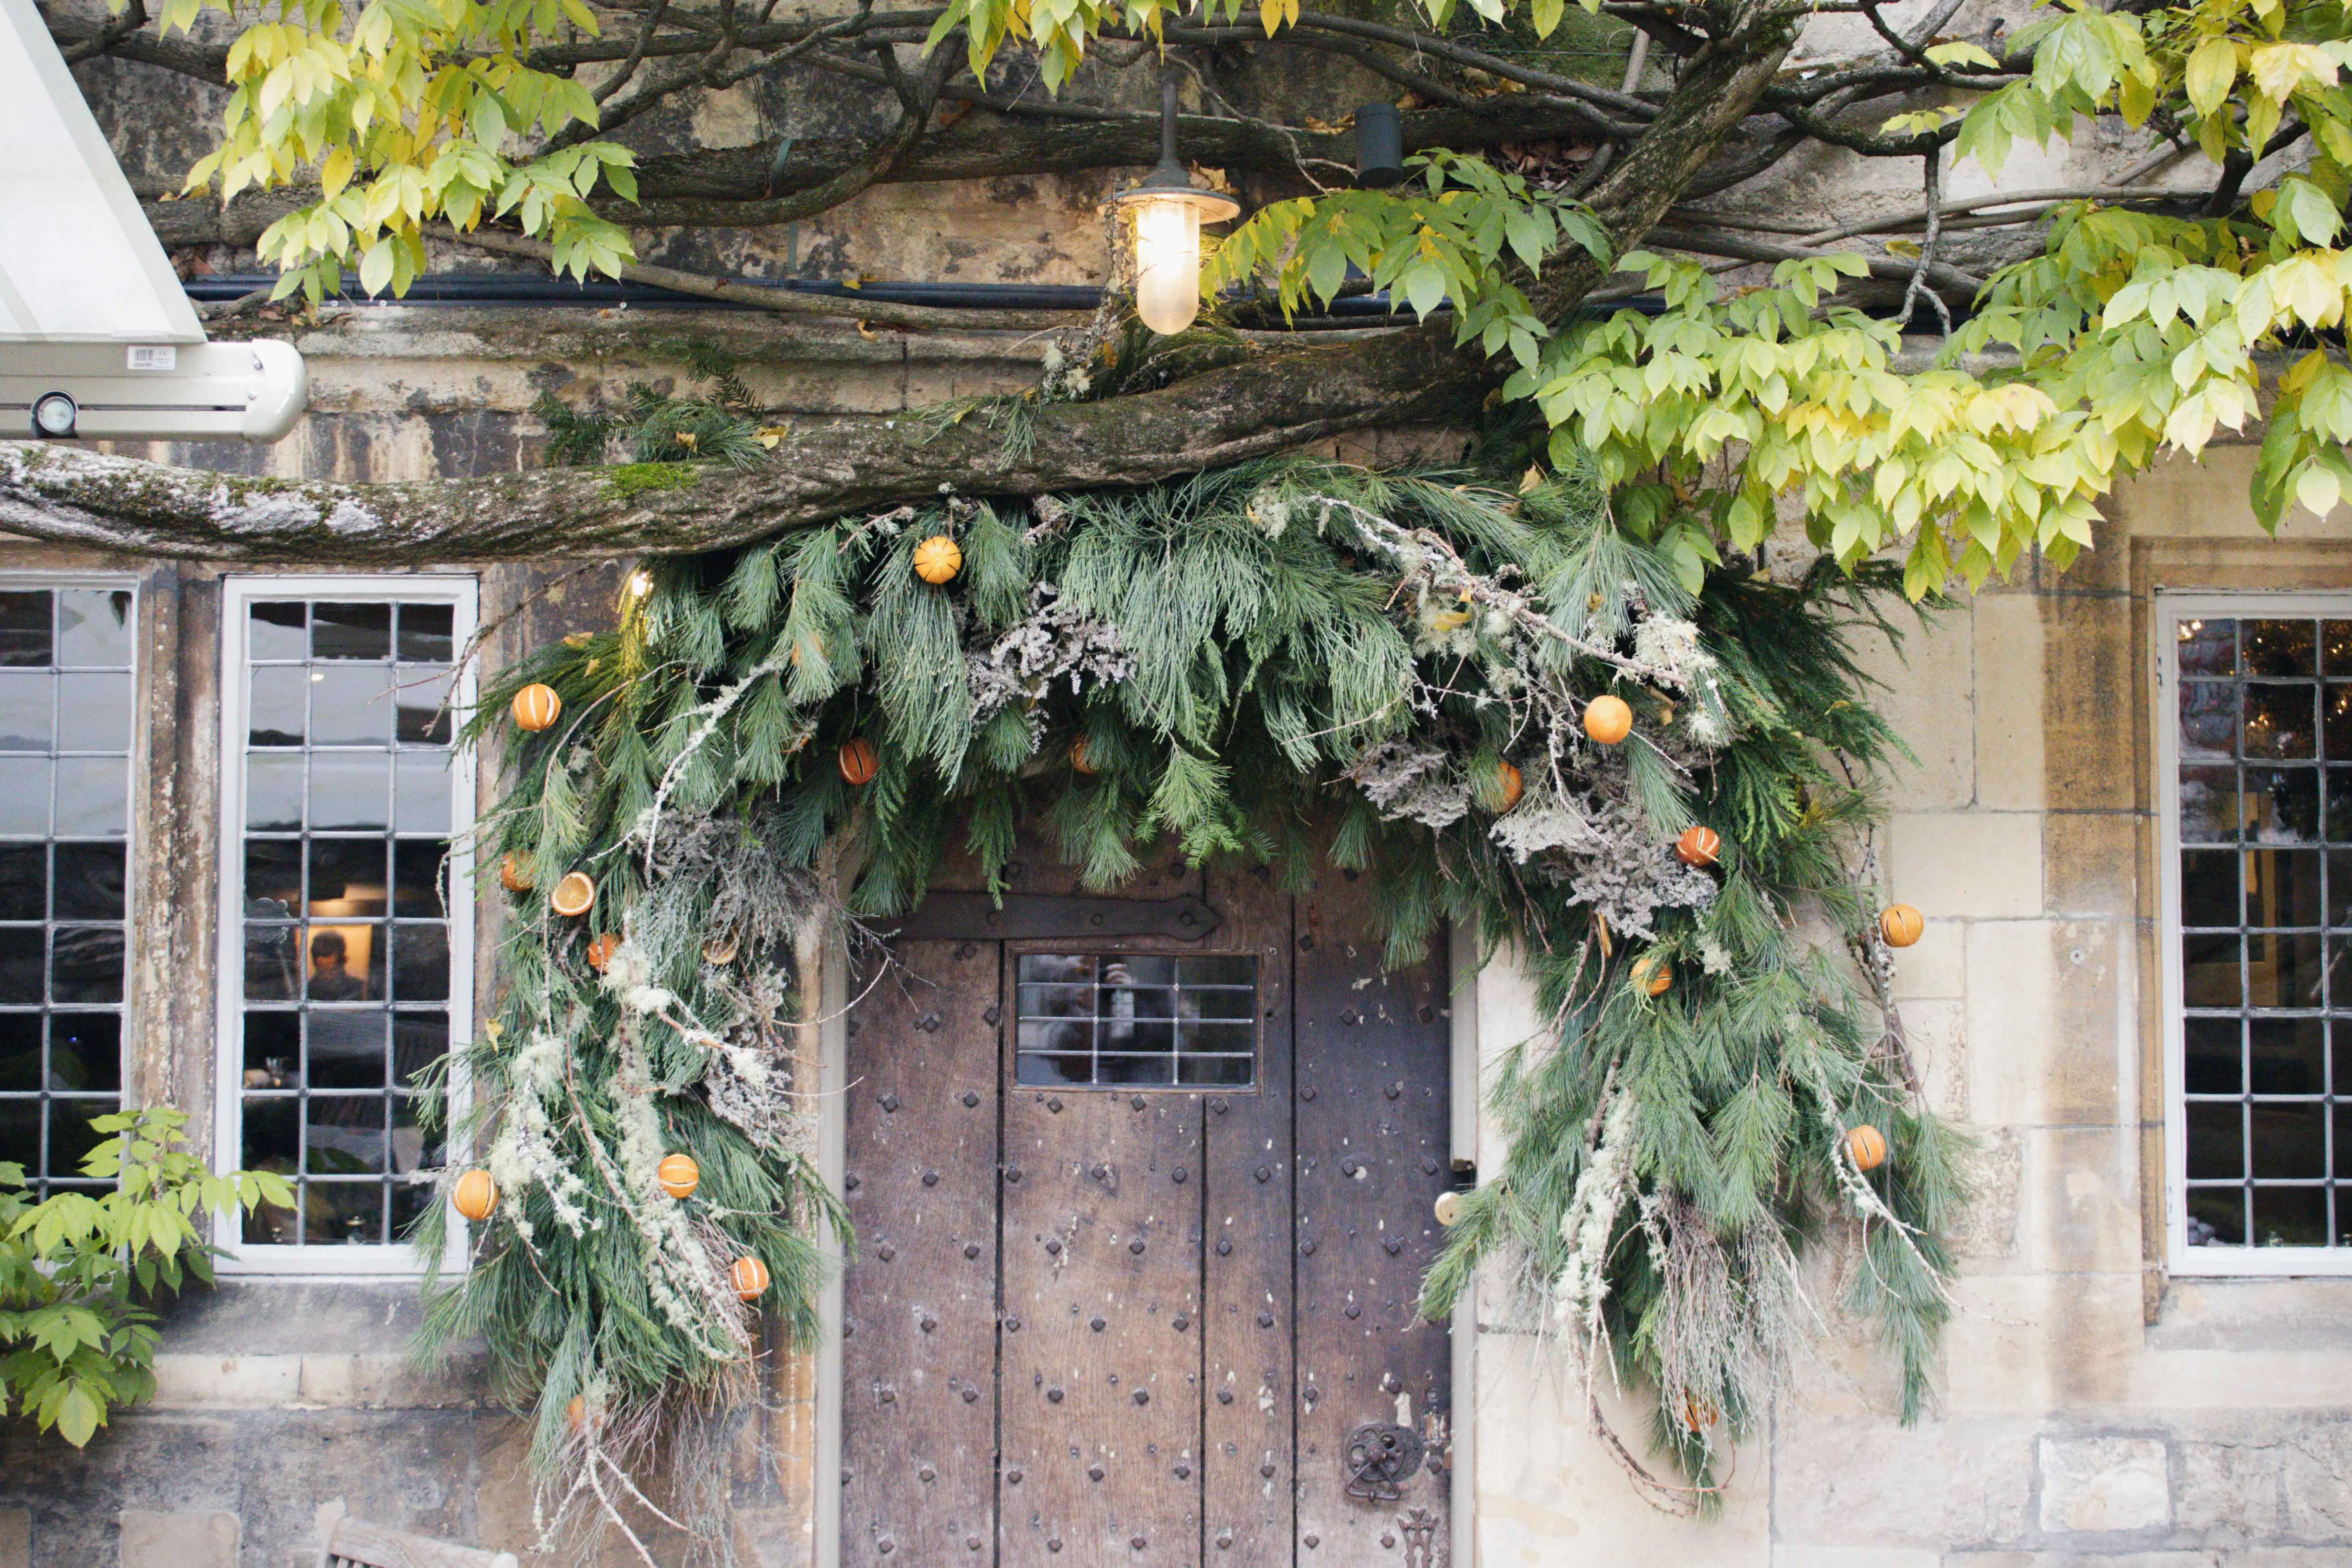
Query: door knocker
x=1380, y=1455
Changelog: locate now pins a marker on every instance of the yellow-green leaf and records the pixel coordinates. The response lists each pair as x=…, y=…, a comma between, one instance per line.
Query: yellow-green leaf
x=2210, y=71
x=1961, y=52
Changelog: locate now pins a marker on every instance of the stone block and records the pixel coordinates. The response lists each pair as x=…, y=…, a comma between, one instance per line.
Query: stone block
x=1502, y=1001
x=211, y=1381
x=2051, y=1037
x=1549, y=1493
x=2080, y=1198
x=503, y=1502
x=1937, y=1030
x=1958, y=865
x=2229, y=1491
x=1930, y=700
x=2091, y=863
x=2103, y=568
x=1787, y=1555
x=2099, y=1486
x=1858, y=1481
x=1988, y=1228
x=2093, y=688
x=2101, y=1560
x=382, y=1381
x=179, y=1539
x=2286, y=1380
x=2303, y=1316
x=2192, y=498
x=16, y=1538
x=2009, y=693
x=1934, y=965
x=2314, y=1473
x=2027, y=1344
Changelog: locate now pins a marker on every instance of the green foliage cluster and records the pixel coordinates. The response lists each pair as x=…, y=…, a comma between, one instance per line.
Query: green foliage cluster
x=2132, y=335
x=715, y=420
x=406, y=112
x=1231, y=651
x=1746, y=1074
x=79, y=1270
x=1452, y=232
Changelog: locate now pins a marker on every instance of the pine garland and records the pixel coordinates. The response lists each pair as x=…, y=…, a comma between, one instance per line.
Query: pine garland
x=1307, y=664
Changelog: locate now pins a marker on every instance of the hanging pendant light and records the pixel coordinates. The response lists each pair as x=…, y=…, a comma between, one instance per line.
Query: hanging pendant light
x=1380, y=146
x=1169, y=213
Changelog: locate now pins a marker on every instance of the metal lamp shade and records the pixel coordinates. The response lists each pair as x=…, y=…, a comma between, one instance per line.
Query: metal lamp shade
x=1380, y=146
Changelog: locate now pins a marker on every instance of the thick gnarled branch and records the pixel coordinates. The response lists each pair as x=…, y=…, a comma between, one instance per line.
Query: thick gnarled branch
x=742, y=186
x=1267, y=402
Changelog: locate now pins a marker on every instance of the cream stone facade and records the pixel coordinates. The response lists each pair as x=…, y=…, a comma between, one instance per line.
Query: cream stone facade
x=2092, y=1409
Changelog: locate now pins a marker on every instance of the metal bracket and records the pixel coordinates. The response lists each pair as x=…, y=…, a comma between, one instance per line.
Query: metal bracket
x=1420, y=1528
x=946, y=917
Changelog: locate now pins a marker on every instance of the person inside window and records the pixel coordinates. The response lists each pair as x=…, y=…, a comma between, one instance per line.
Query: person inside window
x=331, y=979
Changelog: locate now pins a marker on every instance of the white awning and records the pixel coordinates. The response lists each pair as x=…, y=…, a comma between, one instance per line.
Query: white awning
x=78, y=260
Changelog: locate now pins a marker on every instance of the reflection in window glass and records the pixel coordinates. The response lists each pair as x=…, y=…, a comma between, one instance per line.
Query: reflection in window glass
x=65, y=696
x=1137, y=1020
x=2264, y=879
x=346, y=968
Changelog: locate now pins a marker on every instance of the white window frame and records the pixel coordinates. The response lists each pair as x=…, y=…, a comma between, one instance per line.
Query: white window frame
x=135, y=855
x=2240, y=1262
x=381, y=1261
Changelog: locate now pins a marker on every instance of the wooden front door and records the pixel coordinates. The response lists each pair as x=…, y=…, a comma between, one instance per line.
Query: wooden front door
x=1140, y=1223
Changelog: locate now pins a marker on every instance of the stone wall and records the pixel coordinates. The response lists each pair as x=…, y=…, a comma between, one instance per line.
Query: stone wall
x=274, y=1395
x=2092, y=1411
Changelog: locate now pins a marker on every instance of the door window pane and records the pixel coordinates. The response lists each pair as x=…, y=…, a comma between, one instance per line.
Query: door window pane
x=342, y=921
x=65, y=706
x=1135, y=1020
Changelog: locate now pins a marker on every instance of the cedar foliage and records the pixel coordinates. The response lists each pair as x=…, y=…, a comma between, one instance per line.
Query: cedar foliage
x=1237, y=652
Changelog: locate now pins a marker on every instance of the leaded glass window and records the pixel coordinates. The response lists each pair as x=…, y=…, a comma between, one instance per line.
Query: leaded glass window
x=1137, y=1020
x=65, y=699
x=2262, y=841
x=350, y=802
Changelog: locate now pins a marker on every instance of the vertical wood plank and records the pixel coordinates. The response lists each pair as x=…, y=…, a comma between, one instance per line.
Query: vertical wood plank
x=1246, y=1512
x=1088, y=1475
x=919, y=1346
x=1371, y=1114
x=1101, y=1430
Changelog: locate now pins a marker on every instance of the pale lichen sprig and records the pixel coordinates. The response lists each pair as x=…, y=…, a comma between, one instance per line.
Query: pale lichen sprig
x=708, y=718
x=1429, y=555
x=1863, y=1200
x=1583, y=1286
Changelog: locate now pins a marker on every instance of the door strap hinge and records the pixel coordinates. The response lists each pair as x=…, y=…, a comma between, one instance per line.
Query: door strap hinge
x=950, y=917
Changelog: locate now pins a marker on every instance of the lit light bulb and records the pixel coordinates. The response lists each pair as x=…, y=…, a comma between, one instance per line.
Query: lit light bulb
x=1169, y=213
x=1167, y=263
x=641, y=583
